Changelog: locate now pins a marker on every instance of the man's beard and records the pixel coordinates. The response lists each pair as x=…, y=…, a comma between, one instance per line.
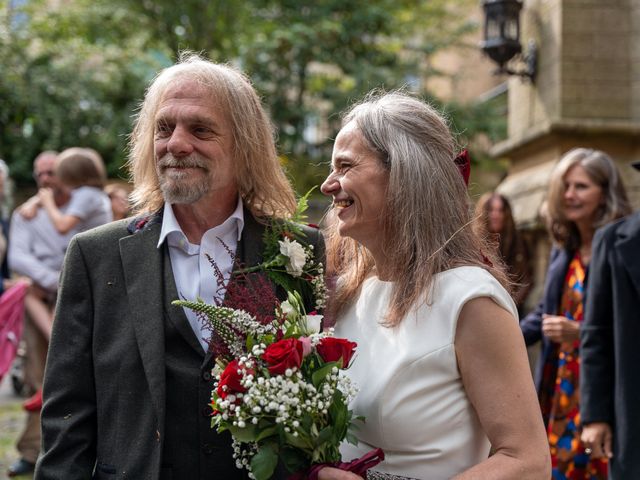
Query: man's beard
x=180, y=187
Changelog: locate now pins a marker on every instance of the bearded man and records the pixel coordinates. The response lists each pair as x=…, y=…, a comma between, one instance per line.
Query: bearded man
x=128, y=379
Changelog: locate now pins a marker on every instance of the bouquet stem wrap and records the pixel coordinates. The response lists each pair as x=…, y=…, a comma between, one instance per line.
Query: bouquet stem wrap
x=359, y=466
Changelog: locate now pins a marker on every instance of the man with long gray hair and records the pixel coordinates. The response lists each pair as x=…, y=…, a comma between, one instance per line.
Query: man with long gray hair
x=128, y=379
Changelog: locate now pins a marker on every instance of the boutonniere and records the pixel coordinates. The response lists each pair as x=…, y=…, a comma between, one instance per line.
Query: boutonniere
x=143, y=222
x=289, y=260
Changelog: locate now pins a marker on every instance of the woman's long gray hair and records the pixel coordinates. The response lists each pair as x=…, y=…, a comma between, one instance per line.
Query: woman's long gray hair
x=427, y=214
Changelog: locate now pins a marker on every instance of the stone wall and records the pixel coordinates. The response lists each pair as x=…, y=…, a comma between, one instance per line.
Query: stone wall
x=586, y=93
x=595, y=67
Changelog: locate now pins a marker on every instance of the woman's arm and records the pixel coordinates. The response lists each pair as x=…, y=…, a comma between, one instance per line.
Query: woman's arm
x=331, y=473
x=495, y=372
x=531, y=325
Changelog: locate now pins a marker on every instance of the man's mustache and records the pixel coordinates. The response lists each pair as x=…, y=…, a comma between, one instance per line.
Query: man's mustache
x=191, y=161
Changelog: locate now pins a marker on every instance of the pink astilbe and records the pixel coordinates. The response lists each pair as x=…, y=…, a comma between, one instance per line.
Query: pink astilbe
x=251, y=292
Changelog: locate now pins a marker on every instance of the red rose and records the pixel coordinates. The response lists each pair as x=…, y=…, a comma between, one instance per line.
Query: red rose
x=333, y=349
x=283, y=354
x=230, y=379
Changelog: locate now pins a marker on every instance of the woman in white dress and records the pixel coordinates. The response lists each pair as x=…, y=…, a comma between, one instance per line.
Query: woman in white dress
x=441, y=362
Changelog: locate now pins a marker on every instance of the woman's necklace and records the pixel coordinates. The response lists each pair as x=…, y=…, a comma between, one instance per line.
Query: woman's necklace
x=585, y=253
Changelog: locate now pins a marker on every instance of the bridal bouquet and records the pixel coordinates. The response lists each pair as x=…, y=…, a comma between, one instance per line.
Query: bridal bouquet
x=279, y=391
x=278, y=387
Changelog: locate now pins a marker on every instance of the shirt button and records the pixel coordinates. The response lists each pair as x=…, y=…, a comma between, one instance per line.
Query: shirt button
x=206, y=411
x=206, y=375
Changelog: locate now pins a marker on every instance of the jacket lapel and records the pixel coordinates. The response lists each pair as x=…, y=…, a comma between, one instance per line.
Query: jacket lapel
x=176, y=315
x=250, y=247
x=628, y=244
x=142, y=264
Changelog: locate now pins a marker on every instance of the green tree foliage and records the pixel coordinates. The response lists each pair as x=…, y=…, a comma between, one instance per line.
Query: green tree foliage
x=215, y=27
x=74, y=74
x=310, y=60
x=68, y=81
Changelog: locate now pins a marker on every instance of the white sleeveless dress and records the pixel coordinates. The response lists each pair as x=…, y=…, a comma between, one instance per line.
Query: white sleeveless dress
x=410, y=390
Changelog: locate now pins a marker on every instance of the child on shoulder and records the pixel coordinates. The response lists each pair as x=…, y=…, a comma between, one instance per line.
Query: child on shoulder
x=82, y=171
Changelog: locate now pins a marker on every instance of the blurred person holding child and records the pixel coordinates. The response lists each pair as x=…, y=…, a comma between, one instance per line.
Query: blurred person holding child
x=493, y=217
x=36, y=251
x=82, y=171
x=609, y=387
x=585, y=192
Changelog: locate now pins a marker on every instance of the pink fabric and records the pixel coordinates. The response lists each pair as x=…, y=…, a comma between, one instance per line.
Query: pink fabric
x=11, y=321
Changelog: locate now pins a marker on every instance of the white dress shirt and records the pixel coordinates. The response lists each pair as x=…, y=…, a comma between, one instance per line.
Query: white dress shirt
x=194, y=274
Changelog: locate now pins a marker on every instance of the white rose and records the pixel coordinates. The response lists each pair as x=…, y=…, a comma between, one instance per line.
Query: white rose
x=296, y=255
x=312, y=323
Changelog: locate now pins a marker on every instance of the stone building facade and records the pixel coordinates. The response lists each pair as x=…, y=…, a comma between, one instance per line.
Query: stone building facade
x=586, y=94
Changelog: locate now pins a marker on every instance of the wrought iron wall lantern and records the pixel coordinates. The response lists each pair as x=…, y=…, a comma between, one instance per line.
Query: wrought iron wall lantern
x=502, y=38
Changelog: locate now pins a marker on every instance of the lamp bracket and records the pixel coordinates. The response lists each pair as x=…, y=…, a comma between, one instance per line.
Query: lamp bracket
x=530, y=61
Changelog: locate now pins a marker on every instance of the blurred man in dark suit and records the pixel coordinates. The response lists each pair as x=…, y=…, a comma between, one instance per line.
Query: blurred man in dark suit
x=609, y=383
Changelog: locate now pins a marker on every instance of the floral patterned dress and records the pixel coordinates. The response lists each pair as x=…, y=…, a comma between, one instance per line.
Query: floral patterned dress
x=560, y=395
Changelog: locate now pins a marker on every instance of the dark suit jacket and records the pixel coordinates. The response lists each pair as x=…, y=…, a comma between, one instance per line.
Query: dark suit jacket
x=609, y=379
x=531, y=325
x=105, y=379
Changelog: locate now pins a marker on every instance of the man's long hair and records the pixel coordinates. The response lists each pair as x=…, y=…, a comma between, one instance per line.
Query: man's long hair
x=261, y=181
x=426, y=220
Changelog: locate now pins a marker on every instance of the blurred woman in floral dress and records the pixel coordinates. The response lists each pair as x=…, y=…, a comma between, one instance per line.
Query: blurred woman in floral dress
x=585, y=193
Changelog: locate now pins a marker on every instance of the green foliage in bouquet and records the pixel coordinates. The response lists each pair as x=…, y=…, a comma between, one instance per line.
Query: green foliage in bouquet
x=289, y=261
